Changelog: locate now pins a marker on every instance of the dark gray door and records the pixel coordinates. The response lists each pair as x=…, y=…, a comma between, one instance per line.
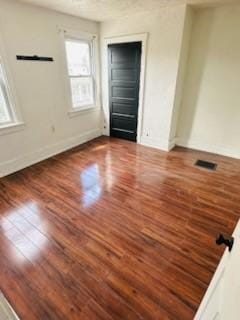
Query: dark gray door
x=124, y=62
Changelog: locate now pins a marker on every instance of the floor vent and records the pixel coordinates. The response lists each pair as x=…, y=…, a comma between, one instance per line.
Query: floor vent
x=206, y=164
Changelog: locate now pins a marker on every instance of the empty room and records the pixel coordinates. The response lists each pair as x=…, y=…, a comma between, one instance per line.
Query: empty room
x=119, y=159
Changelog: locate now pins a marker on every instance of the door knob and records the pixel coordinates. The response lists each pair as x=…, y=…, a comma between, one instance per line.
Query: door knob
x=227, y=241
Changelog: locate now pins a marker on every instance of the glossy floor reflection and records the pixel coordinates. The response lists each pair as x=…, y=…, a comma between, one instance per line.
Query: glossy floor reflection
x=90, y=181
x=114, y=230
x=21, y=234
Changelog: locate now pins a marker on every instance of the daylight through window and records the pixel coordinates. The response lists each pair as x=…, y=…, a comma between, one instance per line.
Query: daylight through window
x=80, y=72
x=5, y=107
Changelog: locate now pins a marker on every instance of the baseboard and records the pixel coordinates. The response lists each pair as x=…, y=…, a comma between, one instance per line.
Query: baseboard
x=199, y=145
x=161, y=144
x=105, y=132
x=171, y=144
x=29, y=159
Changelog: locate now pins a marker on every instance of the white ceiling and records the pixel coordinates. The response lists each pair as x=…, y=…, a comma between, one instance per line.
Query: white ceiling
x=101, y=10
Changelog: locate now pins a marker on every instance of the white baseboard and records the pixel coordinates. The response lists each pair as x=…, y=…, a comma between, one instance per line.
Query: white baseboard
x=200, y=145
x=163, y=144
x=171, y=144
x=105, y=132
x=29, y=159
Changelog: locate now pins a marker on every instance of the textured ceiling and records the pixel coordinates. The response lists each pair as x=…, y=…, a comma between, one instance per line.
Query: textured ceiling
x=101, y=10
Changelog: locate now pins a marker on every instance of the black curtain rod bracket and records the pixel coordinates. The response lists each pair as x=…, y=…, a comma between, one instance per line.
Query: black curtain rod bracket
x=34, y=58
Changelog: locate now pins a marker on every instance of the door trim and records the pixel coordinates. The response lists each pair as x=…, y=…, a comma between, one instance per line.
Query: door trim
x=141, y=37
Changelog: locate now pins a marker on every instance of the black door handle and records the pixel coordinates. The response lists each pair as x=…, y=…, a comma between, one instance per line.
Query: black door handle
x=228, y=241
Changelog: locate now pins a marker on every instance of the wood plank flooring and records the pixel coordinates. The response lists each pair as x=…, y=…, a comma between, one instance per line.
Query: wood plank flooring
x=114, y=230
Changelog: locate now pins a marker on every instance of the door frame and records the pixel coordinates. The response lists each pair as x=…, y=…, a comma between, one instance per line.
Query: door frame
x=141, y=37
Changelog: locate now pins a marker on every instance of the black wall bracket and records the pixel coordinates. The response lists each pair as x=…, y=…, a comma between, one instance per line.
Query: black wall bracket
x=34, y=58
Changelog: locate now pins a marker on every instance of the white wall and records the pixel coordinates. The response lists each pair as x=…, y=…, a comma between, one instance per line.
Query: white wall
x=210, y=111
x=40, y=86
x=182, y=70
x=164, y=28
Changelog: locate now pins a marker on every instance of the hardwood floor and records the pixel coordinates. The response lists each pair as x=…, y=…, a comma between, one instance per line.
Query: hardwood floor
x=114, y=230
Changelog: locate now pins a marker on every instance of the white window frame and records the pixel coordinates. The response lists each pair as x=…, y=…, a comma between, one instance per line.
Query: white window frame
x=92, y=40
x=91, y=75
x=4, y=87
x=16, y=122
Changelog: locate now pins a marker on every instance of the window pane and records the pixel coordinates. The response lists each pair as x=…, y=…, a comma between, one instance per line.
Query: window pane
x=82, y=92
x=4, y=114
x=78, y=58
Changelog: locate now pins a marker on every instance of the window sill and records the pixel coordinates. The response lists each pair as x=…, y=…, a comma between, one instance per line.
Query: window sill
x=10, y=128
x=80, y=111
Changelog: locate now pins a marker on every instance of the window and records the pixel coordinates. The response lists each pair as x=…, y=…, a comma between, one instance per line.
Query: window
x=80, y=72
x=6, y=113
